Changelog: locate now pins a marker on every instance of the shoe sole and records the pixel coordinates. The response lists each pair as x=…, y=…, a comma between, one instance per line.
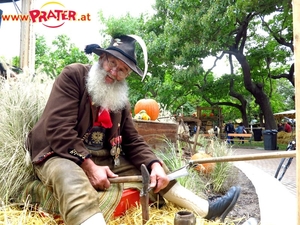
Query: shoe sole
x=232, y=204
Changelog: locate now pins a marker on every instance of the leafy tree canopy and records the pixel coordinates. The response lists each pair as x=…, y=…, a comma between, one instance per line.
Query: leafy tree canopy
x=52, y=60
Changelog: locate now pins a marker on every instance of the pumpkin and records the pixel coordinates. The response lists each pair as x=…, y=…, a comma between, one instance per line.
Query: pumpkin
x=205, y=168
x=149, y=105
x=211, y=114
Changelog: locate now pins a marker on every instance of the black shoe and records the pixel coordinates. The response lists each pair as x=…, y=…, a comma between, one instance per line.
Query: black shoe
x=220, y=207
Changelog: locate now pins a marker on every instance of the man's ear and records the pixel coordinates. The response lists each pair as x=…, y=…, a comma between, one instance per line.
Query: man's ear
x=101, y=56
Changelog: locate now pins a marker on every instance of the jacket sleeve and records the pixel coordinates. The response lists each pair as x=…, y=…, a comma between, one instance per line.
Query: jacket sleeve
x=62, y=111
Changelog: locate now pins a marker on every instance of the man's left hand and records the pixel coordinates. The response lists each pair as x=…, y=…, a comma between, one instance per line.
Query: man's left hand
x=158, y=177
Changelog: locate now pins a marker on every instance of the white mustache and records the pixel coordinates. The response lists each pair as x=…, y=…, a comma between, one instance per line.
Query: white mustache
x=110, y=76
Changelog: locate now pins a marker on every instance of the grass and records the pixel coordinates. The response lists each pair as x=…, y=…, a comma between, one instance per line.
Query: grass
x=175, y=160
x=21, y=103
x=217, y=181
x=258, y=144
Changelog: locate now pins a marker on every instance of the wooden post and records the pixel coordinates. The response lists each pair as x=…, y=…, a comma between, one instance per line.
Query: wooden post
x=185, y=131
x=296, y=31
x=27, y=40
x=196, y=137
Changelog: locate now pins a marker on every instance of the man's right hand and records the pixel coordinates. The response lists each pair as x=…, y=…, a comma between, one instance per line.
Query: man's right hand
x=98, y=175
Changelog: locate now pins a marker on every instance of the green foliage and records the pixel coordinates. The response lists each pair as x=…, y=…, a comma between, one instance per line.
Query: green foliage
x=41, y=51
x=175, y=161
x=16, y=61
x=188, y=31
x=115, y=27
x=52, y=60
x=223, y=175
x=218, y=181
x=283, y=96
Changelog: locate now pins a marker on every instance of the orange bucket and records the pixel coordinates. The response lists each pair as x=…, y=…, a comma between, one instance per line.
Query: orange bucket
x=130, y=198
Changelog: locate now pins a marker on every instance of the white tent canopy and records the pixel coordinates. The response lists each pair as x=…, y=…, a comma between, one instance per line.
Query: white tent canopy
x=293, y=111
x=289, y=114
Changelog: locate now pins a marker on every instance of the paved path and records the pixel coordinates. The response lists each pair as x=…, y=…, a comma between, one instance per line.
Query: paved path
x=273, y=195
x=270, y=166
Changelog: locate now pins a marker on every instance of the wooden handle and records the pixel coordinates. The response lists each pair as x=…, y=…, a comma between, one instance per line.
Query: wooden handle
x=144, y=200
x=126, y=179
x=285, y=154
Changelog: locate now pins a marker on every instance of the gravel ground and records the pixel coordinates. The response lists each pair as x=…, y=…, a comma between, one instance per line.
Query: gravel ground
x=247, y=205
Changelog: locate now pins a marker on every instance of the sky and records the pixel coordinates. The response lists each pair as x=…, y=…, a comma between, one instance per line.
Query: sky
x=80, y=33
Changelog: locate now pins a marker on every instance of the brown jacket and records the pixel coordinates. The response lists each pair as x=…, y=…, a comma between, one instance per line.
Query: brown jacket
x=68, y=115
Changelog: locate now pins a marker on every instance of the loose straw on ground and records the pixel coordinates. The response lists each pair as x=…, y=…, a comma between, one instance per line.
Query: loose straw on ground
x=15, y=215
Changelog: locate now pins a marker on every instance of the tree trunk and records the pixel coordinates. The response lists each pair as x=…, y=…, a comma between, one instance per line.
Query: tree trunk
x=243, y=106
x=257, y=91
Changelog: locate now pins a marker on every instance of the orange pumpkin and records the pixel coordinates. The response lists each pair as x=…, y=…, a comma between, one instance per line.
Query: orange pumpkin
x=149, y=105
x=205, y=168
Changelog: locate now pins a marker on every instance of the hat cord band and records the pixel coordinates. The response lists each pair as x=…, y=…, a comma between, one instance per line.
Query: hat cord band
x=123, y=53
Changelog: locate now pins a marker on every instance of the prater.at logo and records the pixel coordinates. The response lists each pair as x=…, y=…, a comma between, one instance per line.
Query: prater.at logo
x=55, y=14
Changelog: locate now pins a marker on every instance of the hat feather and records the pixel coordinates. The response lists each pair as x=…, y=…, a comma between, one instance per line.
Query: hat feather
x=144, y=48
x=89, y=48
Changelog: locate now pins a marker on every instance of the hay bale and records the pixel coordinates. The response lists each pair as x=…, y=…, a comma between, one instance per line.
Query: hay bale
x=284, y=137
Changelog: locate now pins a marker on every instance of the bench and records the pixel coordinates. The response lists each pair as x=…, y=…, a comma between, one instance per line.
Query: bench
x=247, y=137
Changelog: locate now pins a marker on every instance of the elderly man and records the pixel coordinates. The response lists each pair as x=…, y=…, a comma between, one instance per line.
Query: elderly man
x=86, y=135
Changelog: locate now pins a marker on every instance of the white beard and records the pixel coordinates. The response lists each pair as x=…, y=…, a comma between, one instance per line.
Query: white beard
x=113, y=96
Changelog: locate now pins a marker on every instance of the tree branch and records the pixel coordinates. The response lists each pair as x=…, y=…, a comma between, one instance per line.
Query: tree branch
x=277, y=37
x=289, y=76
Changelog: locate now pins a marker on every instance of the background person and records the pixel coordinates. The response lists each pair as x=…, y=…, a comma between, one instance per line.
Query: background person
x=229, y=129
x=241, y=130
x=287, y=127
x=280, y=127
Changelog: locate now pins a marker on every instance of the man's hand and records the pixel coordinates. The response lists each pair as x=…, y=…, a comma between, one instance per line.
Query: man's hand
x=158, y=177
x=98, y=175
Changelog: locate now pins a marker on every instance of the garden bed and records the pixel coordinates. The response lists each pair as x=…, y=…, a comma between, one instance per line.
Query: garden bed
x=247, y=205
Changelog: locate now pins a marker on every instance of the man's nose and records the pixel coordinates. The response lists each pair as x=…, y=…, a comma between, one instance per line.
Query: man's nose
x=114, y=71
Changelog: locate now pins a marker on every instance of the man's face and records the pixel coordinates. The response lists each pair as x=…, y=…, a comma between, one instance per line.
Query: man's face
x=105, y=91
x=116, y=69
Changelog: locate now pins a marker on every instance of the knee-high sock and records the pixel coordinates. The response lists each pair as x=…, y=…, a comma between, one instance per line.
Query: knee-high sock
x=185, y=198
x=95, y=219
